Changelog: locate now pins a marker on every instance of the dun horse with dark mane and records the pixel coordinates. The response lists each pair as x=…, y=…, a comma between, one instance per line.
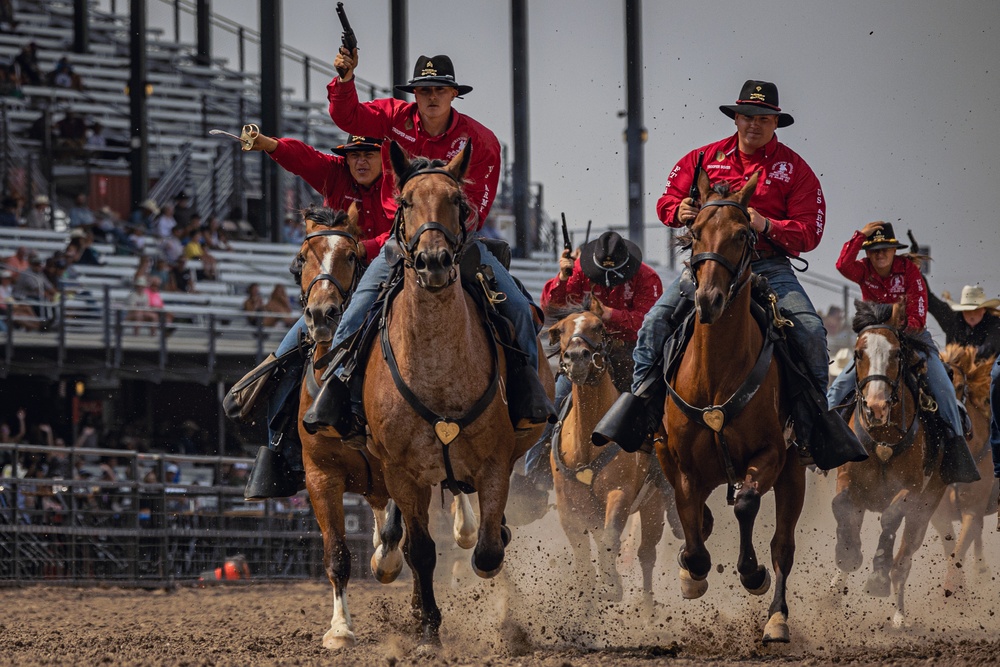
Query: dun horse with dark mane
x=726, y=413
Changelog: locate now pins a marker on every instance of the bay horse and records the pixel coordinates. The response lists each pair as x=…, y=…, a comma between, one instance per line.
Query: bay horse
x=738, y=437
x=892, y=480
x=328, y=266
x=969, y=503
x=597, y=489
x=435, y=398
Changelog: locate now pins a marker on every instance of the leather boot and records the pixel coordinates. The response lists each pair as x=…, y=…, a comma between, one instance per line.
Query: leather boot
x=277, y=471
x=330, y=407
x=823, y=437
x=957, y=464
x=633, y=419
x=258, y=384
x=529, y=404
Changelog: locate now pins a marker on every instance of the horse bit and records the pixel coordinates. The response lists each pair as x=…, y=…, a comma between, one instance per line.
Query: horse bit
x=345, y=293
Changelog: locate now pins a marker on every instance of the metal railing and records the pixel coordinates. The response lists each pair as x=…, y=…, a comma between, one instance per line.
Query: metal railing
x=152, y=519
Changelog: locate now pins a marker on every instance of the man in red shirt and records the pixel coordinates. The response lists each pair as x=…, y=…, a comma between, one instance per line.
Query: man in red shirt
x=429, y=128
x=885, y=278
x=788, y=212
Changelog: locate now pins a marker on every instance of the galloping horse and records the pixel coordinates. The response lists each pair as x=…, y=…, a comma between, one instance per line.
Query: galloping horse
x=436, y=397
x=739, y=437
x=329, y=266
x=891, y=481
x=597, y=489
x=968, y=503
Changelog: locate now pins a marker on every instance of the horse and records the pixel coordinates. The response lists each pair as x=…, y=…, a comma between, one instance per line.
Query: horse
x=891, y=481
x=328, y=269
x=739, y=438
x=436, y=398
x=597, y=489
x=968, y=503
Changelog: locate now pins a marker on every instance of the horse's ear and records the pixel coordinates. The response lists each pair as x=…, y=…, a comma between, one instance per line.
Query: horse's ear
x=898, y=318
x=352, y=214
x=400, y=162
x=595, y=307
x=744, y=195
x=704, y=185
x=555, y=334
x=460, y=163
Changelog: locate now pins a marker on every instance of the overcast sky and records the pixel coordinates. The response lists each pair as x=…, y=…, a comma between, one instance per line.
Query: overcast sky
x=895, y=102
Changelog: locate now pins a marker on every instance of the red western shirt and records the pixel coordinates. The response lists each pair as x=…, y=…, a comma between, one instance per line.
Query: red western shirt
x=904, y=279
x=628, y=302
x=398, y=120
x=788, y=192
x=330, y=176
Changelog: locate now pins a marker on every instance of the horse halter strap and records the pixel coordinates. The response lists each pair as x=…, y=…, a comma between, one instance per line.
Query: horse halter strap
x=736, y=271
x=345, y=294
x=600, y=352
x=863, y=421
x=861, y=383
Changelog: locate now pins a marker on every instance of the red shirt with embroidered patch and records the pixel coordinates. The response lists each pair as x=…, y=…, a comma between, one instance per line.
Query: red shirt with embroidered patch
x=904, y=279
x=330, y=176
x=628, y=302
x=788, y=192
x=399, y=121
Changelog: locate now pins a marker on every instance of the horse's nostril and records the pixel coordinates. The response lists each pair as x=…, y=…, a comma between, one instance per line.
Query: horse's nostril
x=446, y=259
x=420, y=262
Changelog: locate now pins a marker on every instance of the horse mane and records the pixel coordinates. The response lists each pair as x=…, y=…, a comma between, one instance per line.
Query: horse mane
x=977, y=373
x=571, y=307
x=328, y=217
x=684, y=241
x=870, y=313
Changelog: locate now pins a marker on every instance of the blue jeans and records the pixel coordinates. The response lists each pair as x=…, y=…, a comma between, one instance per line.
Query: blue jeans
x=941, y=386
x=517, y=307
x=535, y=457
x=995, y=416
x=807, y=336
x=291, y=338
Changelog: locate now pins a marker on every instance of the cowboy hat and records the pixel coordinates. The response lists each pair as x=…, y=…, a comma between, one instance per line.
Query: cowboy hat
x=974, y=297
x=433, y=72
x=151, y=206
x=41, y=200
x=758, y=98
x=357, y=143
x=610, y=260
x=841, y=360
x=883, y=237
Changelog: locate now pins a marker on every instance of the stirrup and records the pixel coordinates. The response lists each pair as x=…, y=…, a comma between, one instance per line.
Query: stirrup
x=272, y=477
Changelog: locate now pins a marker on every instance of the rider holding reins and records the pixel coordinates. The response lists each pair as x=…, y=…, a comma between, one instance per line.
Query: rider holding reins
x=885, y=278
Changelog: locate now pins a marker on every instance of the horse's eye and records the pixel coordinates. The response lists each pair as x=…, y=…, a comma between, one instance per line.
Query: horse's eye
x=404, y=203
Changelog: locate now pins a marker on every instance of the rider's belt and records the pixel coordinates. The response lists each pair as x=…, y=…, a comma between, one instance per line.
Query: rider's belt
x=768, y=252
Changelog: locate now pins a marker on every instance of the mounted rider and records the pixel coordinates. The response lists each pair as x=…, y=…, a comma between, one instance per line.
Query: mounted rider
x=429, y=128
x=885, y=277
x=352, y=175
x=788, y=214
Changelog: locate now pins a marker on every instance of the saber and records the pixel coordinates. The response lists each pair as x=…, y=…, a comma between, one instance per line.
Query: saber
x=246, y=138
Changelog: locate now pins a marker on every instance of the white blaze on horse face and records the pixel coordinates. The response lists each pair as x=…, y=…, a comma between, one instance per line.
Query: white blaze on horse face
x=878, y=349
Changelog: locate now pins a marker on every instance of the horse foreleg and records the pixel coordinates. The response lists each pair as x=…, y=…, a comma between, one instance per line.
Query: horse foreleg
x=387, y=560
x=849, y=519
x=574, y=525
x=694, y=559
x=753, y=576
x=466, y=523
x=609, y=544
x=327, y=494
x=487, y=558
x=651, y=518
x=917, y=520
x=789, y=495
x=421, y=554
x=878, y=583
x=942, y=522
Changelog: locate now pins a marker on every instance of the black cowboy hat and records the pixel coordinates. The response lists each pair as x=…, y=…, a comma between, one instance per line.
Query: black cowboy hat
x=433, y=72
x=758, y=98
x=610, y=260
x=357, y=143
x=882, y=238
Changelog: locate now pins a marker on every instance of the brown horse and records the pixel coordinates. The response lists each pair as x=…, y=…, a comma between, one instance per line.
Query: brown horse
x=330, y=268
x=436, y=397
x=891, y=481
x=968, y=503
x=597, y=489
x=738, y=437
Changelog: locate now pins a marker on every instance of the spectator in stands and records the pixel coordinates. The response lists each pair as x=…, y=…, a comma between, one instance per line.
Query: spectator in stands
x=32, y=285
x=294, y=230
x=215, y=235
x=38, y=216
x=155, y=299
x=55, y=268
x=279, y=303
x=18, y=261
x=181, y=275
x=27, y=67
x=194, y=226
x=96, y=140
x=254, y=303
x=63, y=75
x=195, y=249
x=8, y=212
x=135, y=240
x=7, y=14
x=182, y=209
x=6, y=295
x=165, y=223
x=161, y=269
x=82, y=240
x=9, y=86
x=138, y=306
x=72, y=131
x=80, y=215
x=56, y=465
x=146, y=214
x=172, y=247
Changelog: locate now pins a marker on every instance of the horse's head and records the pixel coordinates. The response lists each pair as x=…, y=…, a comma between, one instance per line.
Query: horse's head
x=969, y=375
x=431, y=220
x=327, y=268
x=582, y=342
x=721, y=242
x=879, y=357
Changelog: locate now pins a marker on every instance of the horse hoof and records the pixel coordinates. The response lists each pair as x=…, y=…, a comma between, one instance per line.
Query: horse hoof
x=899, y=621
x=776, y=630
x=878, y=585
x=466, y=541
x=336, y=639
x=387, y=568
x=691, y=588
x=505, y=535
x=764, y=586
x=486, y=574
x=646, y=606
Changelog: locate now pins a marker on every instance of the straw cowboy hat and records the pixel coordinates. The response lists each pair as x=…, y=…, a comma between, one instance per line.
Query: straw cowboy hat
x=758, y=98
x=841, y=360
x=974, y=297
x=41, y=200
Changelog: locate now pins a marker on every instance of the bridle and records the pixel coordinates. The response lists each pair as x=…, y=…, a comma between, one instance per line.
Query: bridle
x=598, y=358
x=737, y=270
x=865, y=413
x=345, y=293
x=456, y=245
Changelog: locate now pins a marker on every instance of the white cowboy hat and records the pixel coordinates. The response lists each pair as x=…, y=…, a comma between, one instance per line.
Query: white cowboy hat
x=840, y=360
x=41, y=200
x=974, y=297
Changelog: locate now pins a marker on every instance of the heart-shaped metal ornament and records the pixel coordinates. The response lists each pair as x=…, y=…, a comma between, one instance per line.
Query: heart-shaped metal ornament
x=585, y=476
x=714, y=419
x=883, y=453
x=446, y=431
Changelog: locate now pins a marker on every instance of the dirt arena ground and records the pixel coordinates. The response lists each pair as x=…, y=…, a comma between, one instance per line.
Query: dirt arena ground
x=545, y=620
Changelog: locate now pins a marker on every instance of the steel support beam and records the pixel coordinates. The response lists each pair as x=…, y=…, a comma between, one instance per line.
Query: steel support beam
x=400, y=45
x=522, y=157
x=635, y=133
x=203, y=30
x=270, y=115
x=137, y=103
x=81, y=26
